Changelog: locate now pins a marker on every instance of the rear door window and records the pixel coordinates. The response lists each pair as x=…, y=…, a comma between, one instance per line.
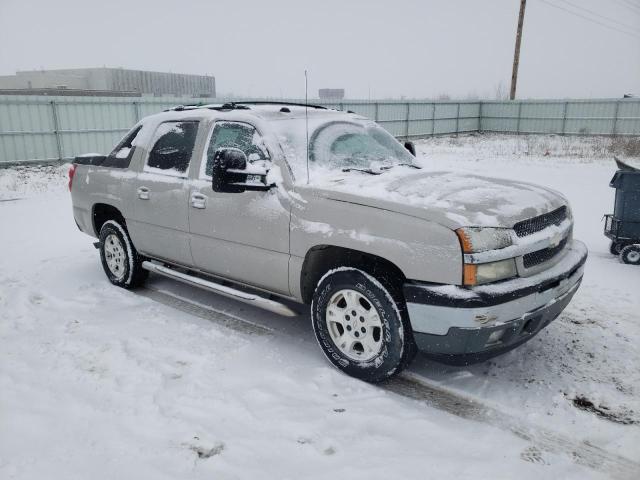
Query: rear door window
x=173, y=144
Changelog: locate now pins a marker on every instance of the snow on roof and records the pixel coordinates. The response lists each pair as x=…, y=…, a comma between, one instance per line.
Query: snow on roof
x=264, y=111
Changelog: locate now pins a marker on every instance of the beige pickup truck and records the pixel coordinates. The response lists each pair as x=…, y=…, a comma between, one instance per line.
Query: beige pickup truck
x=273, y=202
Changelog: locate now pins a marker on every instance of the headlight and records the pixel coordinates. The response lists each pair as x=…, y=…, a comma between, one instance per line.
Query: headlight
x=478, y=239
x=477, y=274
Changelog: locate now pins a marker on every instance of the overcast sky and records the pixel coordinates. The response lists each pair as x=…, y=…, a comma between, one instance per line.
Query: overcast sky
x=392, y=48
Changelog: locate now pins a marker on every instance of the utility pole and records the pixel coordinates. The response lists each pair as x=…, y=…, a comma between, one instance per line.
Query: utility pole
x=516, y=54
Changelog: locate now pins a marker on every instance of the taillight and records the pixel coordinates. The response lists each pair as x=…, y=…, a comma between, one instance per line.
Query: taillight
x=72, y=172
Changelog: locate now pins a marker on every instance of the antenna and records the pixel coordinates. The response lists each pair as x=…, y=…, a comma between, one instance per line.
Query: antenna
x=306, y=117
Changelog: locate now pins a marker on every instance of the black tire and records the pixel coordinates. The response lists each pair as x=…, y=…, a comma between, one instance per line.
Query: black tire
x=631, y=254
x=615, y=248
x=128, y=273
x=395, y=336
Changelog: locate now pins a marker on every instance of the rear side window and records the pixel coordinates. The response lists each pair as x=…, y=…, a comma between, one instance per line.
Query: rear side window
x=121, y=155
x=172, y=148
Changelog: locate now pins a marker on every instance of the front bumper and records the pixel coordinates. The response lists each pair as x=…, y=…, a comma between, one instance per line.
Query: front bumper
x=467, y=325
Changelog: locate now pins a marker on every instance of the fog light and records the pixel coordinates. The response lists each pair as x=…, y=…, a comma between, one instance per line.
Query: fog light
x=495, y=337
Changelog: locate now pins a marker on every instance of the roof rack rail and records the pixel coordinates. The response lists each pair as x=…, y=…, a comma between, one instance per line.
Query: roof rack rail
x=179, y=108
x=291, y=104
x=240, y=105
x=233, y=106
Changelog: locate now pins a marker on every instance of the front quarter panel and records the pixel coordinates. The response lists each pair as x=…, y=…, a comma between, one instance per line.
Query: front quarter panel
x=422, y=250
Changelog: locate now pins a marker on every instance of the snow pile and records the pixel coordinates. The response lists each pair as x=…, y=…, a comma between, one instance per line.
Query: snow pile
x=18, y=182
x=581, y=149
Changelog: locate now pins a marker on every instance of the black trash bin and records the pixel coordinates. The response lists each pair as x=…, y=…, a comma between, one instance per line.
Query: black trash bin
x=623, y=226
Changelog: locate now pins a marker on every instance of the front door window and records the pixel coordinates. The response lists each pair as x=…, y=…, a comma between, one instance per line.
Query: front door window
x=238, y=135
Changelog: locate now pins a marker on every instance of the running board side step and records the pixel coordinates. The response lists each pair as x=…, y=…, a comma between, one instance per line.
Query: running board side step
x=245, y=297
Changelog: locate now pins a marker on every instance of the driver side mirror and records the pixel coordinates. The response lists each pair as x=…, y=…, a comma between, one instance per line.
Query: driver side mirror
x=411, y=147
x=230, y=173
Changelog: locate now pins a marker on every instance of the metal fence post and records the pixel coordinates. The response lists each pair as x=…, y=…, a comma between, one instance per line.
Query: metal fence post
x=614, y=128
x=376, y=114
x=480, y=117
x=407, y=121
x=457, y=118
x=136, y=111
x=564, y=118
x=519, y=117
x=56, y=128
x=433, y=119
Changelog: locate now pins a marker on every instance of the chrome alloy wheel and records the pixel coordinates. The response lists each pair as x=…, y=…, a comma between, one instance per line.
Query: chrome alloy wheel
x=354, y=325
x=115, y=256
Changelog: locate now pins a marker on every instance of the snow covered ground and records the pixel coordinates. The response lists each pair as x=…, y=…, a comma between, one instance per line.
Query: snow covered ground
x=171, y=382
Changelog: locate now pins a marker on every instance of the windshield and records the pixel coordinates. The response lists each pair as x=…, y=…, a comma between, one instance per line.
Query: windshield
x=340, y=146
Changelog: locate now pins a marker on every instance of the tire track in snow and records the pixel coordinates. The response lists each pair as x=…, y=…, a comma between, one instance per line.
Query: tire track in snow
x=219, y=317
x=581, y=452
x=417, y=388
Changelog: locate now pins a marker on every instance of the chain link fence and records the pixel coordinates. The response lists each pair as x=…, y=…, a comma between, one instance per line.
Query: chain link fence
x=51, y=129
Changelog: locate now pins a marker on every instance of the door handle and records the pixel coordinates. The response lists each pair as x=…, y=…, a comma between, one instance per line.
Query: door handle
x=198, y=200
x=143, y=193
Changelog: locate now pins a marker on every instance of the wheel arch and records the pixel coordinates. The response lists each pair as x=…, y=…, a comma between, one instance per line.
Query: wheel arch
x=101, y=212
x=322, y=258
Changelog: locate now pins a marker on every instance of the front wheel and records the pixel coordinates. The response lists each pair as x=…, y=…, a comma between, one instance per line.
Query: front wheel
x=360, y=327
x=120, y=260
x=630, y=254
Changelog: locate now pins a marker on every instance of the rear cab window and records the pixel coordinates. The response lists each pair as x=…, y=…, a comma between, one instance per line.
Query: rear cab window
x=171, y=148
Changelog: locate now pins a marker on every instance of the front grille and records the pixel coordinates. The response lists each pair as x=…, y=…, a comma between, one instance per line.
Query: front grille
x=535, y=224
x=540, y=256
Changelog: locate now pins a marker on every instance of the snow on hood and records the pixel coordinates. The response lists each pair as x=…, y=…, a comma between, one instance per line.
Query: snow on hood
x=448, y=198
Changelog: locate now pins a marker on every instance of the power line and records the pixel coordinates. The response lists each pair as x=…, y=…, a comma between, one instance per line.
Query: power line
x=590, y=19
x=633, y=6
x=630, y=6
x=592, y=12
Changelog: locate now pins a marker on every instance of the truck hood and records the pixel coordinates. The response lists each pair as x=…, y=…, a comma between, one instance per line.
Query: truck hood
x=451, y=199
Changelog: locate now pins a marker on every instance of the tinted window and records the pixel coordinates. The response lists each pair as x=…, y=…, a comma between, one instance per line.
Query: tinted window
x=236, y=135
x=173, y=146
x=121, y=155
x=123, y=149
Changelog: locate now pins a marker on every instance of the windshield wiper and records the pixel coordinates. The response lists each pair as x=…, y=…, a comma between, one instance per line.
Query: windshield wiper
x=401, y=165
x=382, y=169
x=363, y=170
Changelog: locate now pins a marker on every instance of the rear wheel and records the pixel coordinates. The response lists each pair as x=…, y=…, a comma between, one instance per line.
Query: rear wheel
x=120, y=260
x=631, y=254
x=615, y=247
x=362, y=329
